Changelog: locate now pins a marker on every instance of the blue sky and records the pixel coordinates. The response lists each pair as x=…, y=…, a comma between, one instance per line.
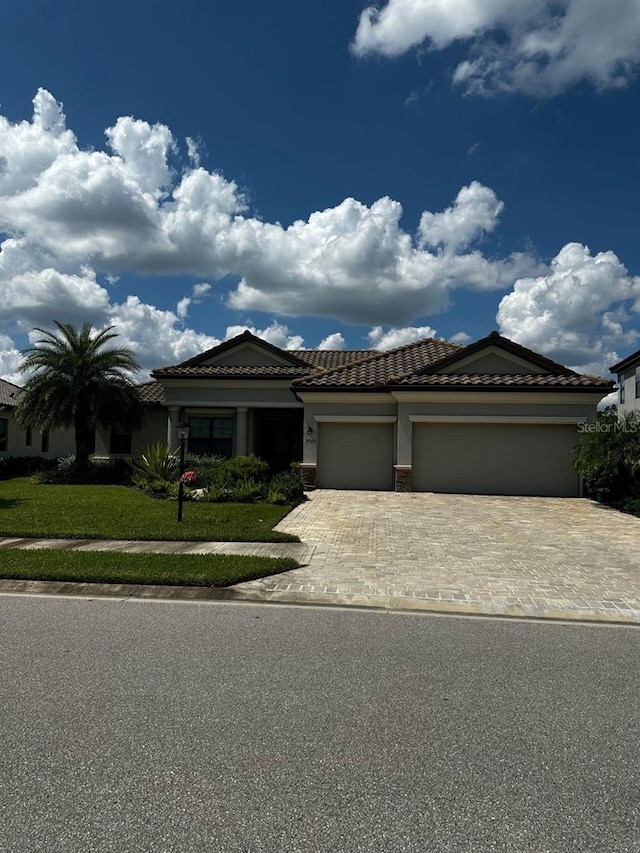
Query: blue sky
x=323, y=173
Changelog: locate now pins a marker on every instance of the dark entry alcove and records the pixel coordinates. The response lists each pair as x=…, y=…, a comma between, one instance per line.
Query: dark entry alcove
x=278, y=436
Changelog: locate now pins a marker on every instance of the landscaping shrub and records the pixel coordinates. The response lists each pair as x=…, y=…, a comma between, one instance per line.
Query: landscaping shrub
x=630, y=505
x=245, y=491
x=273, y=496
x=608, y=456
x=206, y=467
x=289, y=484
x=23, y=466
x=156, y=462
x=240, y=468
x=100, y=472
x=156, y=487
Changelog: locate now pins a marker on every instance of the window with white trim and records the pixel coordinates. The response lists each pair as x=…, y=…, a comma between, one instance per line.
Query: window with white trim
x=4, y=433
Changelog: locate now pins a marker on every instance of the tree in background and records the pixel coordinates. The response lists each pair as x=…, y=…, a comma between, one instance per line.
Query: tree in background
x=608, y=455
x=78, y=382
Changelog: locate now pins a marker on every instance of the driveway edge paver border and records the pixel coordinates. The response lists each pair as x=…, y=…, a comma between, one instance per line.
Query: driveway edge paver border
x=361, y=602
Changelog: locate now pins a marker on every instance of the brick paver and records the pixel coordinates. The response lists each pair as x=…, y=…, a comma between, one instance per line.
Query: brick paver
x=564, y=558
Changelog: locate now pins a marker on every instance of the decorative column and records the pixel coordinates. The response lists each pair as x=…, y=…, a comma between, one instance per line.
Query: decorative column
x=241, y=430
x=309, y=464
x=172, y=427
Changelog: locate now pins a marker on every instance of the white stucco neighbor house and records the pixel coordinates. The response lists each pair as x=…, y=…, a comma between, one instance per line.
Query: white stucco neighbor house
x=489, y=418
x=628, y=372
x=15, y=441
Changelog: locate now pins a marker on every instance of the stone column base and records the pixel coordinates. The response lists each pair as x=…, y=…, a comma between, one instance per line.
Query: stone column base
x=308, y=472
x=402, y=478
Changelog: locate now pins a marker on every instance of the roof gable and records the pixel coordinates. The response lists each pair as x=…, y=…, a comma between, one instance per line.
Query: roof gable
x=497, y=355
x=630, y=361
x=490, y=360
x=244, y=350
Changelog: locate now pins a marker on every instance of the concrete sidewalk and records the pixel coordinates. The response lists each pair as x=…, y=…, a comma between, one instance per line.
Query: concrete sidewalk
x=298, y=551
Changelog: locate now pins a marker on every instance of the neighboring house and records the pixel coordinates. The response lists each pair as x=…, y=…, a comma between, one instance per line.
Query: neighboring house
x=489, y=418
x=628, y=372
x=15, y=441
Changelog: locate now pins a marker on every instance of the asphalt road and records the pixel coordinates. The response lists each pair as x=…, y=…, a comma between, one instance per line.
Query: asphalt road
x=145, y=726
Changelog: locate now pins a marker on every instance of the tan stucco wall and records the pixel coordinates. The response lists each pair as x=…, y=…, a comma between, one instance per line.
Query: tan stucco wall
x=247, y=355
x=153, y=431
x=491, y=363
x=61, y=442
x=265, y=394
x=314, y=409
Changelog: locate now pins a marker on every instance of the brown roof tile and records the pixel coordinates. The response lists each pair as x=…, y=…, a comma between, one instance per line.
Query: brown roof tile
x=501, y=380
x=9, y=393
x=377, y=368
x=329, y=359
x=151, y=392
x=315, y=359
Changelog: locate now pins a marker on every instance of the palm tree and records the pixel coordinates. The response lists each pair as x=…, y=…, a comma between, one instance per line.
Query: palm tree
x=78, y=382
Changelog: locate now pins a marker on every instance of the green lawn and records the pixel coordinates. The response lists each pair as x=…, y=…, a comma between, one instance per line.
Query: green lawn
x=118, y=512
x=108, y=567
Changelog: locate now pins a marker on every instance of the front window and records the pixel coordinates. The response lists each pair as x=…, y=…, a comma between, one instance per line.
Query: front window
x=28, y=437
x=44, y=445
x=621, y=391
x=4, y=433
x=637, y=382
x=120, y=442
x=211, y=436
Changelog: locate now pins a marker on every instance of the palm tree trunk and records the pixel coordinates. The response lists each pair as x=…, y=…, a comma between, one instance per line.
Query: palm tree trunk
x=84, y=440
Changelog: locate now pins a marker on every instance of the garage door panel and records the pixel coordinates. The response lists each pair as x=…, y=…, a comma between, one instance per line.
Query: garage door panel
x=500, y=459
x=355, y=456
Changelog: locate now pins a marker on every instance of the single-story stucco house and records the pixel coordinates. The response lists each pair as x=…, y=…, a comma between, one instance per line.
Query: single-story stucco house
x=489, y=418
x=15, y=441
x=628, y=373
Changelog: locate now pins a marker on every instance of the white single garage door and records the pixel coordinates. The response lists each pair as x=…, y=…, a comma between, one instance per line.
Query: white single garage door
x=495, y=459
x=355, y=456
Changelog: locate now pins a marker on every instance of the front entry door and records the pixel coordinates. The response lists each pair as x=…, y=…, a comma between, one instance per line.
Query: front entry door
x=278, y=437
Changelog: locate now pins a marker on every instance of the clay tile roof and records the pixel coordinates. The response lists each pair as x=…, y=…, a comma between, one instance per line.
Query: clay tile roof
x=378, y=368
x=329, y=359
x=303, y=362
x=238, y=371
x=9, y=393
x=151, y=392
x=502, y=380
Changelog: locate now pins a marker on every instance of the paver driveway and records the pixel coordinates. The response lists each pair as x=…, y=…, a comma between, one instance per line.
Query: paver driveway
x=554, y=557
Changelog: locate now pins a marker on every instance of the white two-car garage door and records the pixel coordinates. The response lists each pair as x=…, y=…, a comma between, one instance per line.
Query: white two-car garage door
x=355, y=456
x=495, y=459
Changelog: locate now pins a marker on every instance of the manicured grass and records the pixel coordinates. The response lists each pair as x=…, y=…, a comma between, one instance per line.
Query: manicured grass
x=110, y=567
x=118, y=512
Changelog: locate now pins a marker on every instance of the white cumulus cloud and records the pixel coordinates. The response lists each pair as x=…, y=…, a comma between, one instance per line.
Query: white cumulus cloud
x=537, y=47
x=127, y=208
x=276, y=333
x=334, y=341
x=582, y=312
x=381, y=340
x=10, y=361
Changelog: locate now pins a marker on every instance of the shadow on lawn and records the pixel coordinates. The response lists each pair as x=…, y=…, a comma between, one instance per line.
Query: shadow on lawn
x=11, y=503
